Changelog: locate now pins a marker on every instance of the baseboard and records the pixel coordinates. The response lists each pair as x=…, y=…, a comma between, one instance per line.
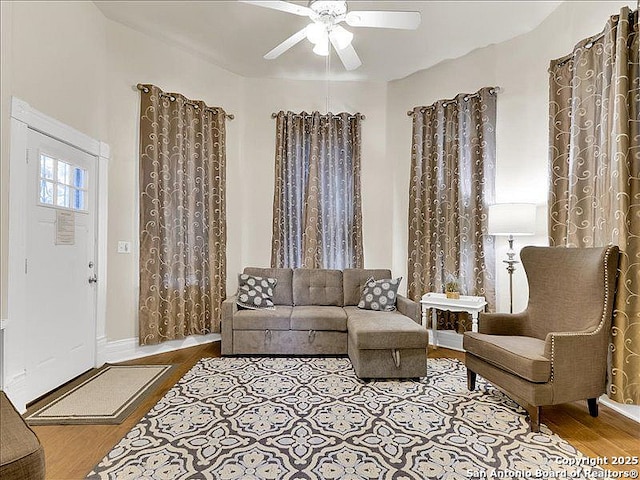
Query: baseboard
x=101, y=348
x=128, y=348
x=3, y=324
x=16, y=390
x=629, y=411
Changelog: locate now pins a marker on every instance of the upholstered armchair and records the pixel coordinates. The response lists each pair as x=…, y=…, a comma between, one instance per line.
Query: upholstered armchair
x=555, y=351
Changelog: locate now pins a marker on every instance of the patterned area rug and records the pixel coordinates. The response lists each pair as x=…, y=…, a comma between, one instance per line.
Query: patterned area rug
x=312, y=418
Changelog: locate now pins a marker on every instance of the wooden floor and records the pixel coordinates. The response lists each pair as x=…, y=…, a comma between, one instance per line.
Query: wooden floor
x=73, y=450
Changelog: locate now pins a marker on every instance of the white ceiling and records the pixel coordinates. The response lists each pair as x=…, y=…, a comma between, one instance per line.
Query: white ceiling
x=235, y=35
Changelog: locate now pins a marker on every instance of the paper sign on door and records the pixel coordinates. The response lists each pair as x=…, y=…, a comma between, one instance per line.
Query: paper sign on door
x=65, y=228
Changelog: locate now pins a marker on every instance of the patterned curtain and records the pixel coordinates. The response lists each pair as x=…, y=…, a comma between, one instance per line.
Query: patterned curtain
x=595, y=172
x=452, y=184
x=317, y=217
x=182, y=216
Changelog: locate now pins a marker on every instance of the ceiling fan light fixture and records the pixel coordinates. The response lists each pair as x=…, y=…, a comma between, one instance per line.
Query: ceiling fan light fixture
x=341, y=37
x=328, y=7
x=316, y=33
x=325, y=32
x=321, y=48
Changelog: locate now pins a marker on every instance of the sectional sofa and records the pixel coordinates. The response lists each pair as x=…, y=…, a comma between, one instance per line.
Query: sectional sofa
x=316, y=313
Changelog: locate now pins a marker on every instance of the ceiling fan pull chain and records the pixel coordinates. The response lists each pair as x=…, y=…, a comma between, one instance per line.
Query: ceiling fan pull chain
x=328, y=70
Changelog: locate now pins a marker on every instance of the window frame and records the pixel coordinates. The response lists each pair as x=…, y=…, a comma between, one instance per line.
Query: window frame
x=55, y=182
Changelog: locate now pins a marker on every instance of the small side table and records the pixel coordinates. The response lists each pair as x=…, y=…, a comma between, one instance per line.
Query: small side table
x=439, y=301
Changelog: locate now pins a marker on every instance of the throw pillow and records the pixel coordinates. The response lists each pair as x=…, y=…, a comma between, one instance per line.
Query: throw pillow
x=255, y=292
x=380, y=294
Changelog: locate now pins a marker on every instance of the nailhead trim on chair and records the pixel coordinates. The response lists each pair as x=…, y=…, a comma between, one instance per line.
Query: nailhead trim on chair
x=602, y=320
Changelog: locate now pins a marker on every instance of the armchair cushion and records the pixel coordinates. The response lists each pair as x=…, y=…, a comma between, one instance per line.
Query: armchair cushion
x=522, y=356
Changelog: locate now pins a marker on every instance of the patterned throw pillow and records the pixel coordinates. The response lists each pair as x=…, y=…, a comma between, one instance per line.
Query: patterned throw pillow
x=255, y=292
x=380, y=294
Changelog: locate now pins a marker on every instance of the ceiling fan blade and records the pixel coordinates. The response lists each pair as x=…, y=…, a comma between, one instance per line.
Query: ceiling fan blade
x=282, y=6
x=384, y=19
x=287, y=44
x=348, y=55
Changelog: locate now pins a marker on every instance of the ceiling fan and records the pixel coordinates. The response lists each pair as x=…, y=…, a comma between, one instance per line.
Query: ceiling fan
x=325, y=28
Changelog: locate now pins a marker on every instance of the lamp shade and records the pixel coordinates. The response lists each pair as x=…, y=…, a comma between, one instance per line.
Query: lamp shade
x=512, y=219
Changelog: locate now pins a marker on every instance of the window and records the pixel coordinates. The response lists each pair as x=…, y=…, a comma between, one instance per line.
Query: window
x=452, y=183
x=317, y=219
x=61, y=184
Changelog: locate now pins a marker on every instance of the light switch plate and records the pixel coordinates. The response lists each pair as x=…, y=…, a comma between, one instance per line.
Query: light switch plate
x=124, y=247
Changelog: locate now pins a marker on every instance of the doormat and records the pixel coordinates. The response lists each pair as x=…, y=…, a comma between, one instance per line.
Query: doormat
x=106, y=397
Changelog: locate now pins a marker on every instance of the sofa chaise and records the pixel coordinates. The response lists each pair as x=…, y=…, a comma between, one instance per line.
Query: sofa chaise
x=316, y=313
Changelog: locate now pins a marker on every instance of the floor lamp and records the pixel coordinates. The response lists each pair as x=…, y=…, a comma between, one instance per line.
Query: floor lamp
x=511, y=219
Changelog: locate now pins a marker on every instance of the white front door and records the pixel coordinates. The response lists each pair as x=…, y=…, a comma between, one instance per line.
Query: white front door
x=60, y=263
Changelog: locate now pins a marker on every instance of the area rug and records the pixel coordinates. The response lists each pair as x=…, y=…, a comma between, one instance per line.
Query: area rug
x=312, y=418
x=108, y=396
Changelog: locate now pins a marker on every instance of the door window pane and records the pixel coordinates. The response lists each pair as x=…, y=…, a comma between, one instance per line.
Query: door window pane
x=79, y=177
x=64, y=173
x=62, y=196
x=47, y=166
x=78, y=199
x=62, y=184
x=46, y=192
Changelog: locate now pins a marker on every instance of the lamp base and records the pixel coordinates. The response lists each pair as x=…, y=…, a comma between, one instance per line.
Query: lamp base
x=511, y=261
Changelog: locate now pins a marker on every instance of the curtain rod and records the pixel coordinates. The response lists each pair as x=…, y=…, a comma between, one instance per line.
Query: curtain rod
x=172, y=97
x=298, y=115
x=492, y=91
x=588, y=42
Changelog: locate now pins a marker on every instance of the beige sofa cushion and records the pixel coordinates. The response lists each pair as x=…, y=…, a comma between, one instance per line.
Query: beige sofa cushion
x=282, y=293
x=314, y=286
x=354, y=280
x=310, y=317
x=522, y=356
x=380, y=330
x=277, y=319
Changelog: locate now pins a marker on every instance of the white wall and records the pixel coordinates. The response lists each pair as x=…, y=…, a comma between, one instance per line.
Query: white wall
x=53, y=56
x=519, y=67
x=134, y=58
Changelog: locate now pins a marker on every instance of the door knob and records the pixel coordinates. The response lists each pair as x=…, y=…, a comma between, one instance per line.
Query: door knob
x=93, y=279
